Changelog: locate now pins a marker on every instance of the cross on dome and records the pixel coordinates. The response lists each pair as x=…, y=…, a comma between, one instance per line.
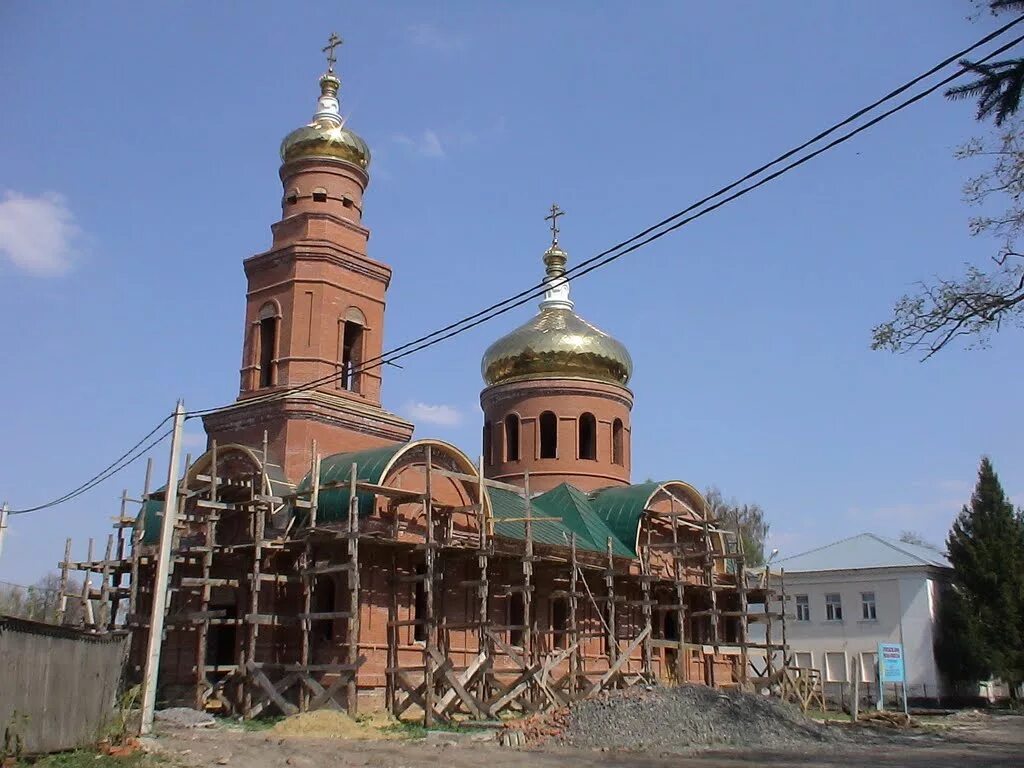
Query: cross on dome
x=332, y=42
x=553, y=218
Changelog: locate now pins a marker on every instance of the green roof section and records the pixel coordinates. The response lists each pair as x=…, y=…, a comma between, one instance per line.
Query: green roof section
x=332, y=506
x=151, y=517
x=622, y=507
x=570, y=505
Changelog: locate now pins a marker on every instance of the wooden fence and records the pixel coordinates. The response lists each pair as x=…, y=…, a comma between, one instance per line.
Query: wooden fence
x=58, y=685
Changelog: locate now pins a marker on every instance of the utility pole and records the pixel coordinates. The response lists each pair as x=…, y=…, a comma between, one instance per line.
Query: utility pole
x=3, y=525
x=156, y=618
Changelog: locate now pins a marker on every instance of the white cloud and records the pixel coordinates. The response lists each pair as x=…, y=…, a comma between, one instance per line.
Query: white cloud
x=427, y=144
x=440, y=415
x=435, y=39
x=38, y=234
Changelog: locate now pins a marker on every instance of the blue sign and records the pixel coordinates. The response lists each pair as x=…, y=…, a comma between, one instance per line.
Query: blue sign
x=890, y=663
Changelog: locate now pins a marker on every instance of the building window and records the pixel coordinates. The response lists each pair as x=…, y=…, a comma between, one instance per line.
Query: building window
x=559, y=622
x=833, y=607
x=268, y=344
x=588, y=436
x=867, y=606
x=511, y=437
x=670, y=628
x=487, y=443
x=548, y=435
x=516, y=618
x=868, y=662
x=351, y=354
x=804, y=660
x=319, y=195
x=419, y=630
x=293, y=197
x=617, y=455
x=835, y=667
x=803, y=608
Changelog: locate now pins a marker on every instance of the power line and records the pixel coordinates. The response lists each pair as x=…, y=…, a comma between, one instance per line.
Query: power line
x=126, y=459
x=615, y=252
x=588, y=265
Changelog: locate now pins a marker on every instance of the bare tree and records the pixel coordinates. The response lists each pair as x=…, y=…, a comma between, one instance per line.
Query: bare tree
x=748, y=519
x=982, y=301
x=40, y=601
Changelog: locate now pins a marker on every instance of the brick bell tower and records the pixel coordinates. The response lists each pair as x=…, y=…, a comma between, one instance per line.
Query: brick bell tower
x=314, y=307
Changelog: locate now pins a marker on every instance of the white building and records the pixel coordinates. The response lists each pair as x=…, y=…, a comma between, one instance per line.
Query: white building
x=846, y=598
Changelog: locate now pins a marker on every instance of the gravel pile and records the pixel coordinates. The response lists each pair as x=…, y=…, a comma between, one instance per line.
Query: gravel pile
x=688, y=717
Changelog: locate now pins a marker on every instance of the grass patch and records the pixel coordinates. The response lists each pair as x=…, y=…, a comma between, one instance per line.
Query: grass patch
x=416, y=730
x=251, y=725
x=82, y=758
x=822, y=716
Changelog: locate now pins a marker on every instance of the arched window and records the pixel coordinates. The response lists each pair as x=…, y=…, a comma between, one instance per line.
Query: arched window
x=293, y=197
x=588, y=436
x=267, y=344
x=548, y=435
x=617, y=455
x=319, y=195
x=351, y=338
x=323, y=602
x=487, y=443
x=511, y=437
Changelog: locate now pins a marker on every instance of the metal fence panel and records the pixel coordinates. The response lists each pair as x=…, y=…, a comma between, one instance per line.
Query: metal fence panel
x=58, y=686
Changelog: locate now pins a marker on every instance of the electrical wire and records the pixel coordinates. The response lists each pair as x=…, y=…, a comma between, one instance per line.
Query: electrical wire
x=620, y=249
x=597, y=261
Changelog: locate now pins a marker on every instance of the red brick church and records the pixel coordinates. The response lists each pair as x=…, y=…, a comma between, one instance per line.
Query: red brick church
x=322, y=557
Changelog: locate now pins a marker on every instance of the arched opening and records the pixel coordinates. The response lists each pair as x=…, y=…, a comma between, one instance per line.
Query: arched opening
x=352, y=331
x=559, y=622
x=512, y=437
x=617, y=455
x=548, y=435
x=588, y=436
x=516, y=618
x=487, y=447
x=293, y=197
x=319, y=195
x=324, y=602
x=267, y=344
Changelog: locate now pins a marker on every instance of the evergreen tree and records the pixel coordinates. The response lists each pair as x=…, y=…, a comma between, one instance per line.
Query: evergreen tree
x=986, y=609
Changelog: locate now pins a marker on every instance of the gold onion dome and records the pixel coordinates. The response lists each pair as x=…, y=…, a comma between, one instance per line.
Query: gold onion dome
x=556, y=343
x=326, y=135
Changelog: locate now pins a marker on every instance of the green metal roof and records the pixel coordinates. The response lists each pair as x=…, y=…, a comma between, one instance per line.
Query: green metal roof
x=565, y=502
x=332, y=505
x=151, y=516
x=621, y=508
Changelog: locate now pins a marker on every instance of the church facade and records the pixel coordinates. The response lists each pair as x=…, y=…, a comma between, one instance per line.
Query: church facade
x=323, y=557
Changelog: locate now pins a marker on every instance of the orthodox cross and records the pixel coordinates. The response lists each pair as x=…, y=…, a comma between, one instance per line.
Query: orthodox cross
x=553, y=218
x=332, y=42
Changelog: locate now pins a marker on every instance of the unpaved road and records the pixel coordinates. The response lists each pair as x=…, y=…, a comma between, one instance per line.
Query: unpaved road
x=991, y=741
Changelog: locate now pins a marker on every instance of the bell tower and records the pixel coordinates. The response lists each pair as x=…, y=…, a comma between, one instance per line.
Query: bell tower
x=314, y=318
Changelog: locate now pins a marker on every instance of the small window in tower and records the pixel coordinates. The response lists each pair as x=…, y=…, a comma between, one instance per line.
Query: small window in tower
x=351, y=355
x=548, y=435
x=319, y=195
x=617, y=455
x=516, y=618
x=293, y=197
x=419, y=631
x=588, y=436
x=487, y=443
x=268, y=344
x=347, y=201
x=511, y=437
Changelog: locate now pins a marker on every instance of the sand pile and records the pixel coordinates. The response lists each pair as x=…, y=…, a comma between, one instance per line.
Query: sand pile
x=330, y=724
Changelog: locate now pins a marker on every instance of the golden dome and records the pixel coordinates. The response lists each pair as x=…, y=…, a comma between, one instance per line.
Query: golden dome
x=556, y=342
x=326, y=135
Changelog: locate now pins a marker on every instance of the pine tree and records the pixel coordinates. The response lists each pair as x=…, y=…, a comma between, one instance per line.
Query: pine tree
x=986, y=611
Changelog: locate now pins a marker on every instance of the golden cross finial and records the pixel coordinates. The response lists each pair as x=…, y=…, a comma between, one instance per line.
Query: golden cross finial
x=553, y=218
x=332, y=42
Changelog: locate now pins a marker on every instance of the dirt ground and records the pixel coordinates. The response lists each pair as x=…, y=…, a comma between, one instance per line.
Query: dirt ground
x=990, y=741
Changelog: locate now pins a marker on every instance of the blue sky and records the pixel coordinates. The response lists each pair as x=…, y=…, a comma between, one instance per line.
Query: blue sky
x=140, y=158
